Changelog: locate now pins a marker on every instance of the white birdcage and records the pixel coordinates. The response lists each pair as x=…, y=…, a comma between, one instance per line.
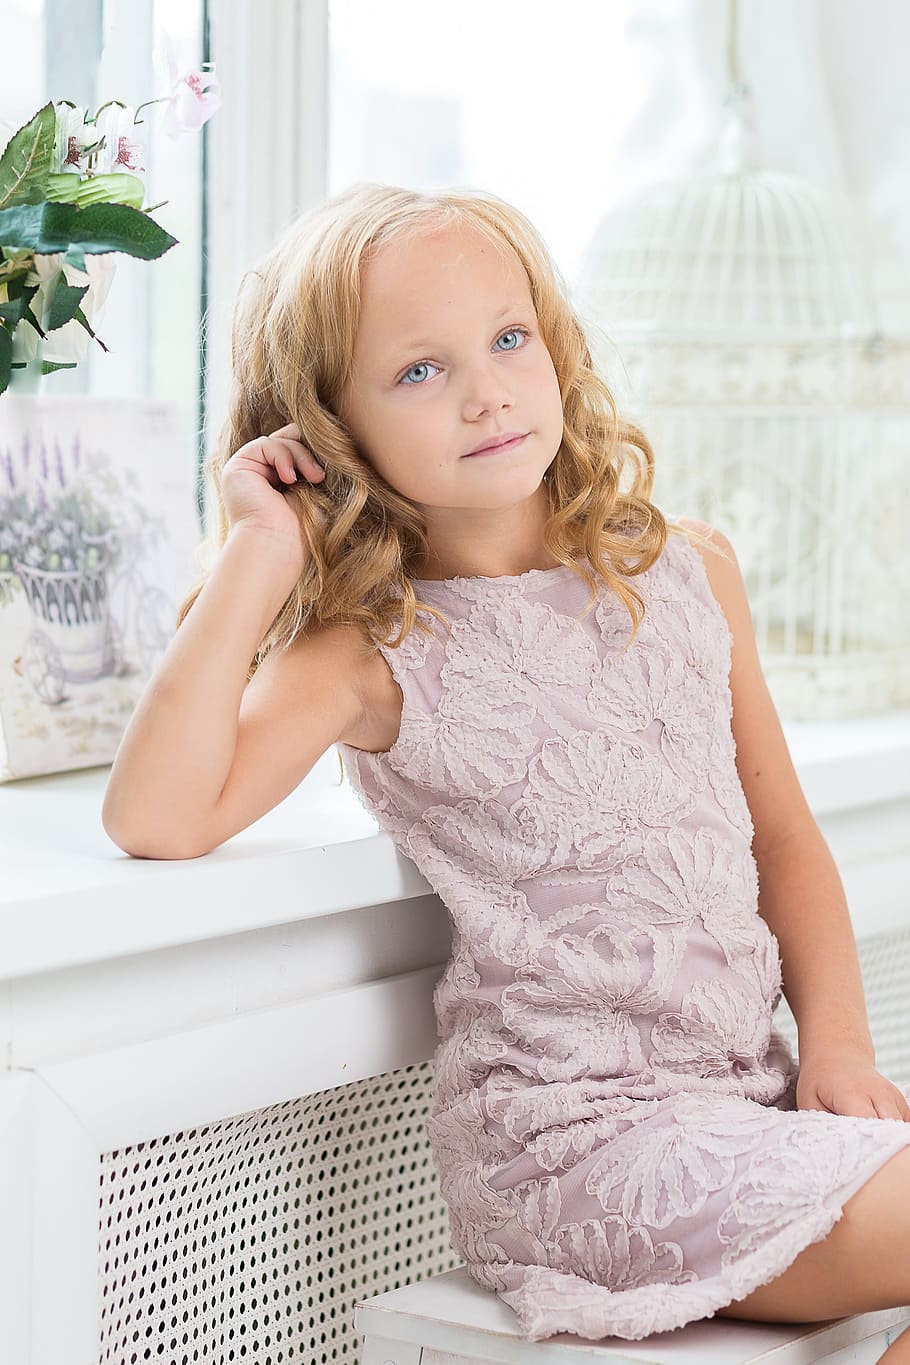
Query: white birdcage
x=746, y=308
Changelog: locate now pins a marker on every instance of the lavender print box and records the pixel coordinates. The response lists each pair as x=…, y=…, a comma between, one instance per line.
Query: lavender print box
x=97, y=533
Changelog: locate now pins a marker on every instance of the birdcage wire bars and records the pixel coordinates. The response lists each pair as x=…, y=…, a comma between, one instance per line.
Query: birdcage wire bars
x=739, y=315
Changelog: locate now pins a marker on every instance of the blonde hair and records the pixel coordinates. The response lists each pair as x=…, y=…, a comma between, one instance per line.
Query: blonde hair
x=294, y=326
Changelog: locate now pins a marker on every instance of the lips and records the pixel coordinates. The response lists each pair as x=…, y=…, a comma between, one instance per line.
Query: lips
x=509, y=440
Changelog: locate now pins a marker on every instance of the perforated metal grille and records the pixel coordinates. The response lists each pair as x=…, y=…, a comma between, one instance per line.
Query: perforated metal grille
x=252, y=1238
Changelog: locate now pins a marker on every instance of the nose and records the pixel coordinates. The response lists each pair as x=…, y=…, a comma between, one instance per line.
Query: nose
x=487, y=388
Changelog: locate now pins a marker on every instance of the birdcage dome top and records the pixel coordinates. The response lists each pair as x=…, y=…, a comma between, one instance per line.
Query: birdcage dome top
x=758, y=251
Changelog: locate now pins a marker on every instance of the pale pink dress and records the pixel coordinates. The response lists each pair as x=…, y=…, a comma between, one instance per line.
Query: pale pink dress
x=613, y=1122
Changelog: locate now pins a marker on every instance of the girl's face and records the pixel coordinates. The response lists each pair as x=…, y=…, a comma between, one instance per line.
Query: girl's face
x=448, y=355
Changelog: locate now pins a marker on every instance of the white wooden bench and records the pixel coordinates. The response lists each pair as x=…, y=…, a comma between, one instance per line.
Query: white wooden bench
x=450, y=1320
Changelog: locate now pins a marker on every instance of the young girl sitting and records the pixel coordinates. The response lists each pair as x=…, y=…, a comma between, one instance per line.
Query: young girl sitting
x=548, y=693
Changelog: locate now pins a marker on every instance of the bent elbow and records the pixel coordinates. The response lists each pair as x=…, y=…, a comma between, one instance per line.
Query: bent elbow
x=144, y=843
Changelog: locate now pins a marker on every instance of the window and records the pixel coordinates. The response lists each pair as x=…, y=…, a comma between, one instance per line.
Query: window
x=522, y=97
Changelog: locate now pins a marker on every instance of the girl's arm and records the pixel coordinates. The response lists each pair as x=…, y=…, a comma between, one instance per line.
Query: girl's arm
x=177, y=751
x=801, y=896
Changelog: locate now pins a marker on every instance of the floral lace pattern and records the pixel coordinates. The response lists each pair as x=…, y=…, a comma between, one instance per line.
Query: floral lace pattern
x=614, y=1122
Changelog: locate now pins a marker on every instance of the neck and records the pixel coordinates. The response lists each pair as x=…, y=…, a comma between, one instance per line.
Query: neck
x=487, y=543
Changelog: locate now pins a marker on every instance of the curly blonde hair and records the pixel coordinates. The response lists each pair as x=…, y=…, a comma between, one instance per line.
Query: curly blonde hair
x=294, y=325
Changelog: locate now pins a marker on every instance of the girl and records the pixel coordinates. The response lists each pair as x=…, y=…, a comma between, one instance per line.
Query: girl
x=431, y=561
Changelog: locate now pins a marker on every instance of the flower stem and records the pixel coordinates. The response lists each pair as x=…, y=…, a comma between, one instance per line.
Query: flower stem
x=160, y=100
x=104, y=106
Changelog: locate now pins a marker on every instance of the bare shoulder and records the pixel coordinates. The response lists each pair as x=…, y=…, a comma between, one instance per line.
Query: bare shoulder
x=726, y=582
x=717, y=550
x=355, y=658
x=723, y=573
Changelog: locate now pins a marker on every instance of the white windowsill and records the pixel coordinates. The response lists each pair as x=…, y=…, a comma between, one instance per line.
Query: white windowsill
x=68, y=895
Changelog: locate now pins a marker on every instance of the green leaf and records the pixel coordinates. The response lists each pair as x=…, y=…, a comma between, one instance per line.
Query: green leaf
x=21, y=294
x=48, y=366
x=6, y=358
x=29, y=317
x=27, y=159
x=50, y=227
x=41, y=227
x=74, y=257
x=118, y=187
x=18, y=308
x=80, y=317
x=117, y=227
x=18, y=288
x=11, y=312
x=63, y=186
x=64, y=302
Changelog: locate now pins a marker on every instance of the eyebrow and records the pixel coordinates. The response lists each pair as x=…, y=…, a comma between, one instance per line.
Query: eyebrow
x=422, y=342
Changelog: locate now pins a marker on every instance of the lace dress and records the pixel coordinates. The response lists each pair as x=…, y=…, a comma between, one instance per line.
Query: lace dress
x=613, y=1120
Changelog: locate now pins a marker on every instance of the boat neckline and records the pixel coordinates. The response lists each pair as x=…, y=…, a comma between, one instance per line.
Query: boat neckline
x=498, y=578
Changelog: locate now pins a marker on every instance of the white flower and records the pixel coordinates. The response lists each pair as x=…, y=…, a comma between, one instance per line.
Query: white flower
x=122, y=150
x=192, y=98
x=69, y=343
x=73, y=137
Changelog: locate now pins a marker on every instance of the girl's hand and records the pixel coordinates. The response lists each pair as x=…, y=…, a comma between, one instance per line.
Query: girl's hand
x=256, y=479
x=844, y=1083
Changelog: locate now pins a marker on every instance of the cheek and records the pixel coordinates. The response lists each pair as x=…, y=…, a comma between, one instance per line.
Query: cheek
x=369, y=432
x=545, y=369
x=549, y=385
x=399, y=455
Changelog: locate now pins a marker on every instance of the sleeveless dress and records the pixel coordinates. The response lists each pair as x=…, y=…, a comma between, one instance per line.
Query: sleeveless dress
x=614, y=1122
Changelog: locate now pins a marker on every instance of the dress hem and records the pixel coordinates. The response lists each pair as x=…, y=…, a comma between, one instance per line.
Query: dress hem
x=544, y=1310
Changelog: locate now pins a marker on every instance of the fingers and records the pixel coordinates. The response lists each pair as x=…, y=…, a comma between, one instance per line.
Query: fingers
x=283, y=453
x=299, y=456
x=893, y=1106
x=884, y=1110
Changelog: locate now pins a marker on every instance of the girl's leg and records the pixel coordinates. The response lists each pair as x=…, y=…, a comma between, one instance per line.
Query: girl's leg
x=898, y=1353
x=862, y=1265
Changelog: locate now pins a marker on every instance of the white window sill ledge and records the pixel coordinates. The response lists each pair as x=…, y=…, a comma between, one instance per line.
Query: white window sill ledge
x=69, y=896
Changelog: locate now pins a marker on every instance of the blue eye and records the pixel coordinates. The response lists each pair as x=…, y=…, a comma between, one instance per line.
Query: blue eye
x=512, y=332
x=423, y=364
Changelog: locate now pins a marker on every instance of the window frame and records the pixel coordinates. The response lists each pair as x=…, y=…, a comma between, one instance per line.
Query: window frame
x=273, y=64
